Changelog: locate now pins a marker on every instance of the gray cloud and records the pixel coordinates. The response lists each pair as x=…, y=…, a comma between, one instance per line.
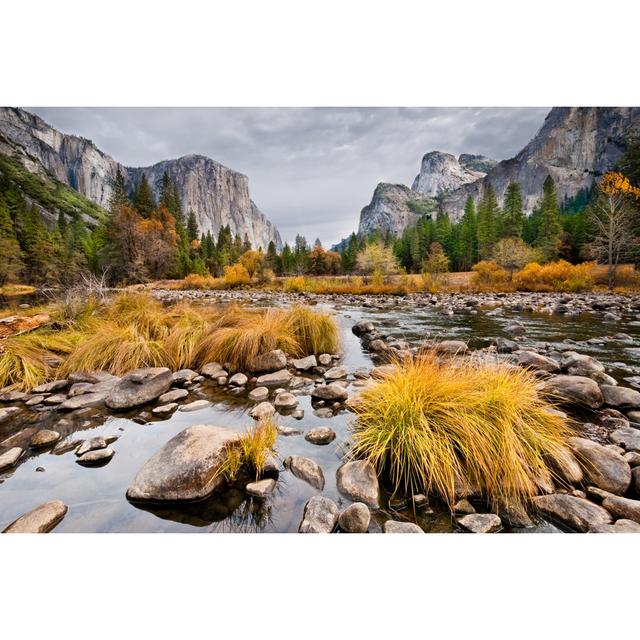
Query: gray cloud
x=311, y=170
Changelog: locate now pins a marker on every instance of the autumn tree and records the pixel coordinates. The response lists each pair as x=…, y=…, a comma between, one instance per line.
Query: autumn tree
x=437, y=261
x=512, y=254
x=252, y=261
x=377, y=258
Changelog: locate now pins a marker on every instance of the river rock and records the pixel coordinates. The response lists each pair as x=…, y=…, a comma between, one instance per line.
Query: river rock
x=635, y=479
x=285, y=400
x=320, y=515
x=623, y=508
x=259, y=394
x=463, y=507
x=9, y=458
x=288, y=431
x=7, y=412
x=173, y=396
x=619, y=526
x=577, y=364
x=261, y=488
x=305, y=469
x=320, y=435
x=395, y=526
x=184, y=376
x=304, y=364
x=567, y=467
x=628, y=438
x=268, y=362
x=56, y=398
x=515, y=328
x=335, y=373
x=262, y=411
x=238, y=380
x=333, y=392
x=276, y=379
x=34, y=400
x=451, y=347
x=50, y=387
x=164, y=409
x=534, y=360
x=358, y=481
x=324, y=359
x=620, y=397
x=213, y=370
x=98, y=456
x=92, y=444
x=83, y=401
x=139, y=387
x=480, y=522
x=44, y=438
x=633, y=458
x=42, y=519
x=576, y=390
x=185, y=468
x=12, y=396
x=362, y=327
x=576, y=513
x=607, y=469
x=355, y=518
x=196, y=405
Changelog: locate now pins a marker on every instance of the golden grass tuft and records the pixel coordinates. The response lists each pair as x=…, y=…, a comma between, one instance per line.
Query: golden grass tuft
x=314, y=332
x=431, y=424
x=253, y=451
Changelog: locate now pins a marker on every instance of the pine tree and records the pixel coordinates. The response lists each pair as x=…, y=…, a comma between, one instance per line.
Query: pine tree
x=488, y=216
x=288, y=260
x=119, y=193
x=512, y=216
x=192, y=226
x=549, y=227
x=143, y=200
x=468, y=252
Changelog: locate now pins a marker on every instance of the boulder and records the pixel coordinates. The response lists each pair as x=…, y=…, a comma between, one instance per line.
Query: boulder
x=577, y=364
x=44, y=438
x=395, y=526
x=268, y=362
x=262, y=411
x=288, y=431
x=320, y=515
x=620, y=397
x=261, y=488
x=628, y=438
x=173, y=396
x=42, y=519
x=576, y=513
x=633, y=458
x=480, y=522
x=305, y=469
x=276, y=379
x=536, y=361
x=9, y=458
x=575, y=390
x=623, y=508
x=355, y=518
x=333, y=392
x=259, y=394
x=607, y=469
x=304, y=364
x=139, y=387
x=320, y=435
x=285, y=400
x=185, y=468
x=362, y=326
x=567, y=467
x=358, y=481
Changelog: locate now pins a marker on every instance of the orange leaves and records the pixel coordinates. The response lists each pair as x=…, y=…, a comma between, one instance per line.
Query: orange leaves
x=615, y=183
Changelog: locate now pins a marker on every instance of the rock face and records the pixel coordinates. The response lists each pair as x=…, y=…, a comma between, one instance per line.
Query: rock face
x=42, y=519
x=441, y=173
x=139, y=387
x=186, y=468
x=217, y=195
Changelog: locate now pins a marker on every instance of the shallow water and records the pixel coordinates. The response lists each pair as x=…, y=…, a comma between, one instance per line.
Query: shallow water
x=96, y=496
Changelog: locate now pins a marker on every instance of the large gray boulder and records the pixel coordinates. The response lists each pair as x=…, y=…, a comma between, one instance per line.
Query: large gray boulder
x=268, y=362
x=139, y=387
x=620, y=397
x=606, y=468
x=358, y=481
x=576, y=513
x=320, y=516
x=187, y=467
x=42, y=519
x=577, y=364
x=575, y=390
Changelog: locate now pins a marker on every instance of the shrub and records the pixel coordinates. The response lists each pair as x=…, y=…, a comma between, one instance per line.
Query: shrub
x=294, y=285
x=236, y=275
x=555, y=276
x=313, y=331
x=196, y=281
x=253, y=451
x=489, y=272
x=430, y=425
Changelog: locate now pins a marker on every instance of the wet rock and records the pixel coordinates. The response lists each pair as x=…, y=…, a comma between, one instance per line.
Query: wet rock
x=619, y=526
x=184, y=376
x=50, y=387
x=44, y=438
x=514, y=514
x=567, y=467
x=451, y=347
x=304, y=364
x=324, y=359
x=463, y=507
x=620, y=507
x=633, y=458
x=185, y=468
x=276, y=379
x=262, y=411
x=605, y=468
x=576, y=513
x=355, y=518
x=213, y=370
x=515, y=328
x=97, y=442
x=320, y=435
x=534, y=360
x=395, y=526
x=330, y=392
x=173, y=396
x=628, y=438
x=261, y=488
x=34, y=400
x=165, y=409
x=335, y=373
x=222, y=380
x=621, y=397
x=419, y=500
x=196, y=405
x=320, y=516
x=285, y=400
x=362, y=327
x=7, y=413
x=269, y=362
x=56, y=398
x=576, y=390
x=96, y=457
x=358, y=481
x=504, y=345
x=259, y=394
x=288, y=431
x=480, y=522
x=305, y=469
x=139, y=387
x=9, y=458
x=42, y=519
x=12, y=396
x=238, y=380
x=577, y=364
x=635, y=479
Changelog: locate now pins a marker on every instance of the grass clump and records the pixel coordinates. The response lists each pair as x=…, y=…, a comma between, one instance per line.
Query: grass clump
x=431, y=424
x=253, y=451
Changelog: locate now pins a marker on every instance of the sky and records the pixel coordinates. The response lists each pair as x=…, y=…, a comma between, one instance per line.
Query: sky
x=311, y=170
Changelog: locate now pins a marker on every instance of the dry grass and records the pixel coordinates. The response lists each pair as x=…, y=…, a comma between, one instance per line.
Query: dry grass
x=256, y=445
x=431, y=424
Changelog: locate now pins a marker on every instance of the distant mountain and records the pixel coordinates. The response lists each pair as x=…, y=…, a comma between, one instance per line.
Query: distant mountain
x=217, y=195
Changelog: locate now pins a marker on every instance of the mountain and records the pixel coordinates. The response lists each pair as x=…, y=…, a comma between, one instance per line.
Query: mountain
x=217, y=195
x=575, y=145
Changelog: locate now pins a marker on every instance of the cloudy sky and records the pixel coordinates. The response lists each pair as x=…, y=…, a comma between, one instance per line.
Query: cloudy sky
x=310, y=170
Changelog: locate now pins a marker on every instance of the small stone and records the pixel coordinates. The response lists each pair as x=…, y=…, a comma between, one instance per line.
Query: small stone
x=607, y=469
x=629, y=438
x=307, y=470
x=304, y=364
x=40, y=469
x=56, y=398
x=480, y=522
x=34, y=400
x=633, y=458
x=619, y=526
x=261, y=488
x=285, y=400
x=362, y=326
x=451, y=347
x=335, y=373
x=575, y=389
x=320, y=516
x=576, y=513
x=355, y=518
x=99, y=456
x=12, y=396
x=9, y=458
x=238, y=380
x=7, y=412
x=42, y=519
x=221, y=380
x=330, y=392
x=463, y=507
x=288, y=431
x=173, y=396
x=276, y=379
x=50, y=387
x=419, y=500
x=196, y=405
x=184, y=376
x=320, y=435
x=395, y=526
x=269, y=362
x=44, y=438
x=84, y=401
x=259, y=394
x=165, y=409
x=98, y=442
x=262, y=411
x=212, y=370
x=324, y=359
x=534, y=360
x=620, y=397
x=358, y=481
